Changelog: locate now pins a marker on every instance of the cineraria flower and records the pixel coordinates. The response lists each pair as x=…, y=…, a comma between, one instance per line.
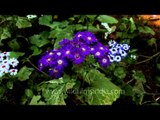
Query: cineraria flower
x=122, y=53
x=101, y=47
x=104, y=62
x=125, y=46
x=4, y=68
x=77, y=57
x=113, y=51
x=111, y=58
x=86, y=36
x=112, y=43
x=65, y=42
x=85, y=49
x=117, y=58
x=55, y=72
x=13, y=62
x=13, y=71
x=98, y=54
x=1, y=73
x=5, y=54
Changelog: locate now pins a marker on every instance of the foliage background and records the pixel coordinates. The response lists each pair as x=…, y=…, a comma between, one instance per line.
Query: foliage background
x=130, y=81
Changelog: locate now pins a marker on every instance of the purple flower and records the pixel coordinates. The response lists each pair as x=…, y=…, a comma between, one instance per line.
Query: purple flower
x=65, y=42
x=78, y=57
x=54, y=72
x=86, y=36
x=98, y=54
x=101, y=47
x=85, y=49
x=104, y=62
x=45, y=61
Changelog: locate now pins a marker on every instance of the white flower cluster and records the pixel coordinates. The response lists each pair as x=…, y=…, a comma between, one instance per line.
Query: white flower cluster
x=7, y=65
x=108, y=29
x=31, y=16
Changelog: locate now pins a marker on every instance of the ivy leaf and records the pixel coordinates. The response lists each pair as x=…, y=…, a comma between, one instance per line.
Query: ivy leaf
x=158, y=66
x=36, y=50
x=24, y=73
x=55, y=91
x=10, y=85
x=120, y=73
x=45, y=20
x=5, y=33
x=16, y=54
x=38, y=40
x=132, y=25
x=2, y=91
x=101, y=91
x=139, y=91
x=35, y=99
x=29, y=93
x=107, y=19
x=146, y=30
x=13, y=44
x=138, y=75
x=23, y=22
x=152, y=41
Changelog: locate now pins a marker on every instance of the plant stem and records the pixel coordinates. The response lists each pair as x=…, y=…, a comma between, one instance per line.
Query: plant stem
x=38, y=69
x=148, y=58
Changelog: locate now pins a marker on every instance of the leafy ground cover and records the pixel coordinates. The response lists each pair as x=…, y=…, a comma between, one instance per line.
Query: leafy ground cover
x=79, y=59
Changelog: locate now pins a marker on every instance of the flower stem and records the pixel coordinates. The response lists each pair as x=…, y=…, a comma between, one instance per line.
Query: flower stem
x=37, y=68
x=148, y=58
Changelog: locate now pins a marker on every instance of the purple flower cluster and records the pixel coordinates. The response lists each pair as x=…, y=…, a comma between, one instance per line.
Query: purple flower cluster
x=117, y=51
x=75, y=51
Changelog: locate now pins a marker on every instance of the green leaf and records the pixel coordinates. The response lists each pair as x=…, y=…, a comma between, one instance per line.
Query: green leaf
x=36, y=50
x=35, y=99
x=139, y=91
x=132, y=25
x=122, y=26
x=146, y=30
x=13, y=44
x=101, y=91
x=5, y=33
x=152, y=41
x=128, y=90
x=138, y=75
x=158, y=66
x=29, y=93
x=10, y=85
x=24, y=73
x=16, y=54
x=107, y=19
x=45, y=20
x=120, y=72
x=56, y=90
x=23, y=22
x=38, y=40
x=2, y=91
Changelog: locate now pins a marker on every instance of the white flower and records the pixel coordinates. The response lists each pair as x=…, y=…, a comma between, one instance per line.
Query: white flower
x=14, y=62
x=117, y=58
x=5, y=54
x=134, y=57
x=1, y=57
x=111, y=58
x=113, y=51
x=13, y=71
x=31, y=16
x=125, y=46
x=1, y=73
x=123, y=53
x=4, y=68
x=112, y=43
